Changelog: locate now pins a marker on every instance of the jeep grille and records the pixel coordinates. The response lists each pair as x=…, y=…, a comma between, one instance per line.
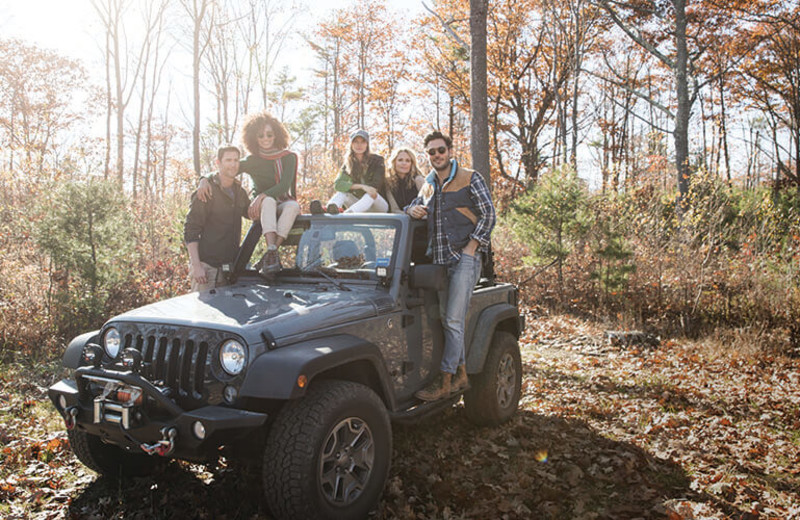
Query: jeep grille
x=173, y=357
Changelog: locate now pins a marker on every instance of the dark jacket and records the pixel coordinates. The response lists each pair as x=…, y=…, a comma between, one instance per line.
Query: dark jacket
x=217, y=224
x=399, y=196
x=375, y=176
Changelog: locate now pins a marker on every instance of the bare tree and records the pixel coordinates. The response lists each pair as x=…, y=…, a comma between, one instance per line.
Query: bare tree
x=153, y=17
x=37, y=88
x=223, y=64
x=201, y=15
x=126, y=64
x=679, y=43
x=269, y=26
x=329, y=47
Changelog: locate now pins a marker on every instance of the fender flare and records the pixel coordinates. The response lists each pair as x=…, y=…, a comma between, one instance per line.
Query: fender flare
x=273, y=374
x=484, y=330
x=72, y=356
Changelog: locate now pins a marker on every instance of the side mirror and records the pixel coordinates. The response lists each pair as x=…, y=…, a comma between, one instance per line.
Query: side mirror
x=427, y=276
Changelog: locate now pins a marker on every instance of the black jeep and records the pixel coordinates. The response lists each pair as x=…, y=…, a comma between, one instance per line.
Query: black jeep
x=306, y=368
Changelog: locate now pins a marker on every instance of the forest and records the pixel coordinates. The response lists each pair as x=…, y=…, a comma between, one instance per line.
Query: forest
x=644, y=159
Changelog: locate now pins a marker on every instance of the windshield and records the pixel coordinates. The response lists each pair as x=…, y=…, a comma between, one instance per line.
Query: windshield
x=336, y=247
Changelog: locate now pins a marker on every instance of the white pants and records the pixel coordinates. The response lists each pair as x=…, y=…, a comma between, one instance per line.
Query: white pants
x=363, y=205
x=278, y=218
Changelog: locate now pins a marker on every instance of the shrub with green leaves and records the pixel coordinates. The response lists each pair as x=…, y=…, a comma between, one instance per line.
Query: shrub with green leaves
x=553, y=218
x=611, y=247
x=86, y=230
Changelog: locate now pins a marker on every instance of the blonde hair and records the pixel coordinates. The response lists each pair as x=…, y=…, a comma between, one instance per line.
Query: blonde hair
x=393, y=179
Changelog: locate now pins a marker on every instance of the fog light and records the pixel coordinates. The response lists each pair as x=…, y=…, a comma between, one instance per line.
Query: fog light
x=132, y=359
x=230, y=394
x=199, y=430
x=62, y=402
x=92, y=355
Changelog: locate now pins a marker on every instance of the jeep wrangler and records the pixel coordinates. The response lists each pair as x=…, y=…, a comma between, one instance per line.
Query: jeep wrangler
x=305, y=369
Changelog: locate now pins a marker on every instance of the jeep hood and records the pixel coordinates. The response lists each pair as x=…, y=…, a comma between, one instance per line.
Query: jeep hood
x=250, y=309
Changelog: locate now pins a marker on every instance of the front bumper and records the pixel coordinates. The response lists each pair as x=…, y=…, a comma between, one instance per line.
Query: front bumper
x=151, y=423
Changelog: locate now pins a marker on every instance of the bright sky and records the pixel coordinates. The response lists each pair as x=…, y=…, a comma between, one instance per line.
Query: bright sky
x=71, y=27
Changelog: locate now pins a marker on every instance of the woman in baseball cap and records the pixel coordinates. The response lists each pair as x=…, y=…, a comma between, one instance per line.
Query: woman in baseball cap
x=360, y=184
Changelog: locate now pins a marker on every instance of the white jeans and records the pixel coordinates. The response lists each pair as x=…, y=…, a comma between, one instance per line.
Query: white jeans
x=363, y=205
x=278, y=218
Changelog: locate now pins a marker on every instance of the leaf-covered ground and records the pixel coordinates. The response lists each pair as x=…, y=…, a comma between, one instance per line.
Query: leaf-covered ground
x=683, y=430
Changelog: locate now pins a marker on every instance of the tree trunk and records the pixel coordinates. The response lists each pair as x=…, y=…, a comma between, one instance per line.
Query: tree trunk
x=107, y=165
x=681, y=132
x=120, y=106
x=196, y=96
x=479, y=103
x=723, y=129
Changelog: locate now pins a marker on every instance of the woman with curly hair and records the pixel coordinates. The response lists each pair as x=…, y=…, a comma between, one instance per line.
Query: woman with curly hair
x=360, y=184
x=404, y=180
x=273, y=169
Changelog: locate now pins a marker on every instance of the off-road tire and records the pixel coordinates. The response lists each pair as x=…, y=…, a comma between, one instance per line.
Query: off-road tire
x=494, y=394
x=109, y=460
x=294, y=476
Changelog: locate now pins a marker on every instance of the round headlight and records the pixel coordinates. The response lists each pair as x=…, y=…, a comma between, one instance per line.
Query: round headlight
x=111, y=342
x=232, y=357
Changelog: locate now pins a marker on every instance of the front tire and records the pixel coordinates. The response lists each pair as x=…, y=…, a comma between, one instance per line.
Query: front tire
x=327, y=456
x=109, y=460
x=495, y=392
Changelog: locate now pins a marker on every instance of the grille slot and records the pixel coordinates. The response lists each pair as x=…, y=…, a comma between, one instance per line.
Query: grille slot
x=159, y=359
x=185, y=359
x=199, y=362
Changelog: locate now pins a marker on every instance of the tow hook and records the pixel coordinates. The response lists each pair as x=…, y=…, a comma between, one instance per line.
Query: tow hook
x=69, y=417
x=165, y=446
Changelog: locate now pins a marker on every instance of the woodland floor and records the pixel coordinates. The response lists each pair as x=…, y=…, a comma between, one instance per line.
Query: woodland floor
x=683, y=430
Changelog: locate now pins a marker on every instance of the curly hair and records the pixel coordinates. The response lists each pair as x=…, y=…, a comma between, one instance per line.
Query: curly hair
x=393, y=179
x=255, y=123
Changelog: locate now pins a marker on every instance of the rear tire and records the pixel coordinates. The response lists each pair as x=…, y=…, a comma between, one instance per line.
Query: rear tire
x=109, y=460
x=494, y=395
x=327, y=455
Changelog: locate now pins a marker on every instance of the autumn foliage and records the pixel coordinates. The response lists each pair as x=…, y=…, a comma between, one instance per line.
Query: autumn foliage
x=585, y=122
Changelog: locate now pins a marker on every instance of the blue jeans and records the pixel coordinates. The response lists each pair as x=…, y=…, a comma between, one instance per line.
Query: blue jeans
x=453, y=306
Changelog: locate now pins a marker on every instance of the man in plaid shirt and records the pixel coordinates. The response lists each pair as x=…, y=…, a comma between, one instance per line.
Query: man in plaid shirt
x=460, y=216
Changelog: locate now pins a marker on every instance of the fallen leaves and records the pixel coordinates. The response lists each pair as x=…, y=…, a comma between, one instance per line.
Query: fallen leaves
x=603, y=432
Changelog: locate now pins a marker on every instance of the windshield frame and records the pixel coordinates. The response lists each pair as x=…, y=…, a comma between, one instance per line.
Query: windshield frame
x=243, y=265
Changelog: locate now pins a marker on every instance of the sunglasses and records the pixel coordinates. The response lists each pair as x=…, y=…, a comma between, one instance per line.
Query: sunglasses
x=433, y=151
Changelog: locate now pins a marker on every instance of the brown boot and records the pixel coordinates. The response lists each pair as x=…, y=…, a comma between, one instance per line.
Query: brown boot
x=272, y=262
x=461, y=381
x=439, y=389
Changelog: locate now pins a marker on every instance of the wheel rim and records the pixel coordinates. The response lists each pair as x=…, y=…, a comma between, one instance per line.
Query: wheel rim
x=506, y=380
x=346, y=461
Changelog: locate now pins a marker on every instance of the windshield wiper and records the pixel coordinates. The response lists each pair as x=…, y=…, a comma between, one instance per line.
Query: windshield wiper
x=315, y=267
